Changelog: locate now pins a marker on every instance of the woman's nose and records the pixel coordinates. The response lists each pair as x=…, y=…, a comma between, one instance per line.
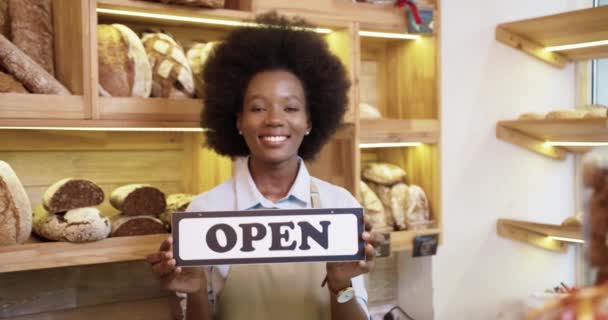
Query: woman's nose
x=274, y=117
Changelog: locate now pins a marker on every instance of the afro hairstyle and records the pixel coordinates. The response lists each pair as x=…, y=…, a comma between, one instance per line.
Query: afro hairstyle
x=276, y=43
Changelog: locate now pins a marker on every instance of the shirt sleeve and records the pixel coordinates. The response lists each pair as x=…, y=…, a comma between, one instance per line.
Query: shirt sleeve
x=361, y=293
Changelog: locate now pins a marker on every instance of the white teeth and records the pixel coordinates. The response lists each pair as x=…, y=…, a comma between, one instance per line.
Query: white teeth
x=275, y=138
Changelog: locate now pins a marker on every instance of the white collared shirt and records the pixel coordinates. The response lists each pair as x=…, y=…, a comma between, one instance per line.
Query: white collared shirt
x=240, y=193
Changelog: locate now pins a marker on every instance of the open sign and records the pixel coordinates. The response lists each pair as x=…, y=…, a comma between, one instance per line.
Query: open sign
x=263, y=236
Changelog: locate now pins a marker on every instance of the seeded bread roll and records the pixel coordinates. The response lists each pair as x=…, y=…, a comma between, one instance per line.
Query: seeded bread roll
x=8, y=83
x=77, y=225
x=137, y=226
x=171, y=73
x=72, y=193
x=15, y=208
x=197, y=56
x=383, y=173
x=176, y=202
x=138, y=199
x=124, y=69
x=32, y=30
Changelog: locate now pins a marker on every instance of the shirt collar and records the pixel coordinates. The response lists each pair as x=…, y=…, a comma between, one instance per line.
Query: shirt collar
x=248, y=196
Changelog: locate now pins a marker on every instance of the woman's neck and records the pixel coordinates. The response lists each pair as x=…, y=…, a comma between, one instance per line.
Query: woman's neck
x=274, y=180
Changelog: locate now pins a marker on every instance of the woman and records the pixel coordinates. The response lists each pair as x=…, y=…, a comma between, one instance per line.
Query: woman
x=274, y=95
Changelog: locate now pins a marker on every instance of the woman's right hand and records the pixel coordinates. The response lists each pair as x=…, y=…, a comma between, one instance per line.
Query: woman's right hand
x=187, y=280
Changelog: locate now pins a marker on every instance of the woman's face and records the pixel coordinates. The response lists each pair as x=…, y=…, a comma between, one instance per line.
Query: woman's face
x=274, y=118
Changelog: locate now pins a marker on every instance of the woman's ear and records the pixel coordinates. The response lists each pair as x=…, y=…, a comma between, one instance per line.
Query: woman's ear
x=238, y=123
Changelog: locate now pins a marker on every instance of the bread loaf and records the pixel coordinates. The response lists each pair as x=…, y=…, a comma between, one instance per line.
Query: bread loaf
x=171, y=73
x=532, y=116
x=72, y=193
x=137, y=226
x=138, y=199
x=124, y=69
x=373, y=207
x=197, y=57
x=418, y=212
x=399, y=204
x=384, y=194
x=28, y=72
x=32, y=30
x=77, y=225
x=176, y=202
x=5, y=25
x=383, y=173
x=566, y=114
x=15, y=208
x=8, y=83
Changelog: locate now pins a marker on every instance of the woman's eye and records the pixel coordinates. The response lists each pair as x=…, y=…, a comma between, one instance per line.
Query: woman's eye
x=256, y=108
x=291, y=109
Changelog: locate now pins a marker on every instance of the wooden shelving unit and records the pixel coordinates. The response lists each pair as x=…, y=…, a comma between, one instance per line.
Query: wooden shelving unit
x=396, y=130
x=533, y=35
x=546, y=236
x=533, y=134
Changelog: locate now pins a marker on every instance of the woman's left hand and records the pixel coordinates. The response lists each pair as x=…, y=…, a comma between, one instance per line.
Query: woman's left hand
x=340, y=273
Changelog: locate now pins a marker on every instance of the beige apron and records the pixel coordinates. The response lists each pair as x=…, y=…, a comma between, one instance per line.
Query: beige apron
x=276, y=291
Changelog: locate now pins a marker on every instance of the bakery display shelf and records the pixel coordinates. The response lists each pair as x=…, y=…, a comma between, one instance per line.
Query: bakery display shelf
x=404, y=240
x=556, y=137
x=44, y=255
x=547, y=236
x=170, y=14
x=390, y=131
x=534, y=36
x=150, y=109
x=41, y=106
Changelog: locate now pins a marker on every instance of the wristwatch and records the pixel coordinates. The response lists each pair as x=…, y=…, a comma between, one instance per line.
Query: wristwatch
x=343, y=295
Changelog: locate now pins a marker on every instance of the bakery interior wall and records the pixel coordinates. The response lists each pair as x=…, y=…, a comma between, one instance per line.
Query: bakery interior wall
x=477, y=274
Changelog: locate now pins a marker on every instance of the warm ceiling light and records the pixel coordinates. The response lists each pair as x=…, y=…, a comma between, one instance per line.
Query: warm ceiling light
x=221, y=22
x=577, y=45
x=575, y=144
x=566, y=239
x=389, y=35
x=389, y=145
x=106, y=129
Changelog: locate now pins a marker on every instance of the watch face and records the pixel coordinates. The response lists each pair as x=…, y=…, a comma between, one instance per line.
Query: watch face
x=346, y=294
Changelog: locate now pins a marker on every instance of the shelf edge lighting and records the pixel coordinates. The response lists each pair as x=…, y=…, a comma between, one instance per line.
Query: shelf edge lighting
x=577, y=45
x=389, y=145
x=107, y=129
x=389, y=35
x=566, y=239
x=162, y=16
x=575, y=144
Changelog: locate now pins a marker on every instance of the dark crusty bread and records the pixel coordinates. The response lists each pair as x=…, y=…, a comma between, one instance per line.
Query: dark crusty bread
x=15, y=208
x=32, y=30
x=72, y=193
x=138, y=199
x=137, y=226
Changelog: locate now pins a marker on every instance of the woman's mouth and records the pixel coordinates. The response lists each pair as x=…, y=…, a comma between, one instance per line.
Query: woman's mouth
x=273, y=141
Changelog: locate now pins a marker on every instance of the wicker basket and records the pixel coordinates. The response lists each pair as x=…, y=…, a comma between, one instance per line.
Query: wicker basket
x=195, y=3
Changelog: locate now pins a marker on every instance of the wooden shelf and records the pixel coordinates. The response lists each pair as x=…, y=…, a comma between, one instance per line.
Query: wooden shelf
x=533, y=35
x=41, y=106
x=532, y=134
x=404, y=240
x=44, y=255
x=539, y=234
x=395, y=130
x=150, y=109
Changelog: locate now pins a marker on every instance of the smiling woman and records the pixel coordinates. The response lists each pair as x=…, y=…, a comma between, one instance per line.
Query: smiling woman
x=274, y=95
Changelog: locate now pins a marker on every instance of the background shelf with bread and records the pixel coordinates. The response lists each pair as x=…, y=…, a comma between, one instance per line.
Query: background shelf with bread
x=43, y=60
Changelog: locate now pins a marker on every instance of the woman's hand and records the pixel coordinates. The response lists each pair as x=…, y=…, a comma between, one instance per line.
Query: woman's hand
x=340, y=273
x=187, y=280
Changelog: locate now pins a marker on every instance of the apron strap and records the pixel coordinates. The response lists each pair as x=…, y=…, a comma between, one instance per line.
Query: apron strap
x=315, y=199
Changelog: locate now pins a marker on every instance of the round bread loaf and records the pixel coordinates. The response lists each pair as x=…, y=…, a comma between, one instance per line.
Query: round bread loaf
x=137, y=226
x=72, y=193
x=383, y=173
x=124, y=69
x=176, y=202
x=77, y=225
x=138, y=199
x=197, y=56
x=15, y=208
x=171, y=73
